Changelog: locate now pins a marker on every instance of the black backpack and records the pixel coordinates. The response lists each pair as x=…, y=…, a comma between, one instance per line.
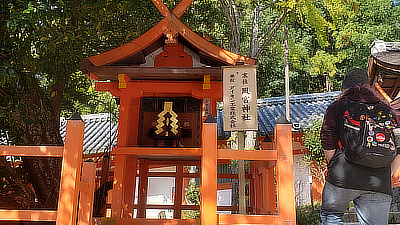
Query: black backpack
x=367, y=137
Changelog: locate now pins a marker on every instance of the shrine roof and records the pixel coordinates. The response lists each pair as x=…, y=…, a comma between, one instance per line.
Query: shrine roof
x=303, y=110
x=128, y=58
x=97, y=137
x=384, y=69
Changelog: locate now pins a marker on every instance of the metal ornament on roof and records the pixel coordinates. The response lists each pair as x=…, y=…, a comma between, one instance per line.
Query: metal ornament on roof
x=171, y=37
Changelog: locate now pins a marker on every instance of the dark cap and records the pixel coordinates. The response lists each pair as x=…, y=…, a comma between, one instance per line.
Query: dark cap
x=355, y=76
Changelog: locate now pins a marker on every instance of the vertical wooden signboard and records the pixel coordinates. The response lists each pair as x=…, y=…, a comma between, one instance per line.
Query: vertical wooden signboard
x=240, y=111
x=240, y=98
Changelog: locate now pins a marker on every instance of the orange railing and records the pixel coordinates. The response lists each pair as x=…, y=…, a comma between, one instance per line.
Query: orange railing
x=279, y=209
x=282, y=155
x=77, y=180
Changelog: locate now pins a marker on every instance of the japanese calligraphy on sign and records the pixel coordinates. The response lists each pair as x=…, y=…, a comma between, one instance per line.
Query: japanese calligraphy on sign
x=240, y=98
x=206, y=106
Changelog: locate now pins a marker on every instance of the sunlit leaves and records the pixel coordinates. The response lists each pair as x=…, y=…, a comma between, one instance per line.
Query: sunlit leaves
x=313, y=154
x=323, y=63
x=376, y=19
x=312, y=142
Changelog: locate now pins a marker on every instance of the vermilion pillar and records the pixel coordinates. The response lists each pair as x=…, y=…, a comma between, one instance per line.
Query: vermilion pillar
x=70, y=171
x=284, y=173
x=208, y=195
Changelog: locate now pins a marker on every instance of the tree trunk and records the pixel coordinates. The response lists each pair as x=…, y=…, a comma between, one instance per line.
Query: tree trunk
x=254, y=42
x=44, y=172
x=287, y=73
x=56, y=99
x=33, y=122
x=327, y=83
x=231, y=11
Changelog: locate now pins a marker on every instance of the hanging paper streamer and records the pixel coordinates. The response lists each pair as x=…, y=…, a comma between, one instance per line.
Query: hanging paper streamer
x=171, y=122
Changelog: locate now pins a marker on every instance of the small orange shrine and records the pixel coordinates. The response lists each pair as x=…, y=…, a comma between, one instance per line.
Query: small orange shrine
x=169, y=81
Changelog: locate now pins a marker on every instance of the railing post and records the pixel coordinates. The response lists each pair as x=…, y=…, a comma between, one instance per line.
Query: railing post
x=70, y=171
x=269, y=186
x=284, y=172
x=129, y=187
x=208, y=195
x=87, y=195
x=118, y=187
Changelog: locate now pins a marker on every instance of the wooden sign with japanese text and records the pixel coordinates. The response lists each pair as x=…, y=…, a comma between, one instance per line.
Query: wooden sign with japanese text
x=240, y=98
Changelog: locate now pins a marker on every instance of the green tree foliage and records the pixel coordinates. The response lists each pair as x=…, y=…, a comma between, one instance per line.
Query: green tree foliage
x=42, y=43
x=350, y=29
x=193, y=197
x=205, y=17
x=308, y=214
x=323, y=64
x=313, y=154
x=257, y=25
x=376, y=19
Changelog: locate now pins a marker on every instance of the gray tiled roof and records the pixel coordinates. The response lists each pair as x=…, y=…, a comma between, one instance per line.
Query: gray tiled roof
x=97, y=132
x=303, y=109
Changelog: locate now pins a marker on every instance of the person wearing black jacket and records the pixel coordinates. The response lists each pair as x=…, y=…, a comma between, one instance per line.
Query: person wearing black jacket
x=369, y=188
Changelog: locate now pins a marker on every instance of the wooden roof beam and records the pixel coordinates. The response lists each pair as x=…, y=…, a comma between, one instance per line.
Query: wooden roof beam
x=181, y=7
x=383, y=93
x=396, y=85
x=161, y=7
x=177, y=11
x=202, y=45
x=171, y=24
x=105, y=73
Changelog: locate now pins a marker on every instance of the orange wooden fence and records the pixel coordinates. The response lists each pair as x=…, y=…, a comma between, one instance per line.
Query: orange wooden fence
x=282, y=155
x=73, y=183
x=75, y=180
x=282, y=207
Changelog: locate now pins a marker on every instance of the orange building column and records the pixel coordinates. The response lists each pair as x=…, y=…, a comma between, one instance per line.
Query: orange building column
x=70, y=171
x=123, y=185
x=284, y=172
x=208, y=196
x=124, y=113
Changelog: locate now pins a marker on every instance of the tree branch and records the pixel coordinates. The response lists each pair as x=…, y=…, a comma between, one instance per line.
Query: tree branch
x=281, y=18
x=232, y=14
x=276, y=27
x=262, y=8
